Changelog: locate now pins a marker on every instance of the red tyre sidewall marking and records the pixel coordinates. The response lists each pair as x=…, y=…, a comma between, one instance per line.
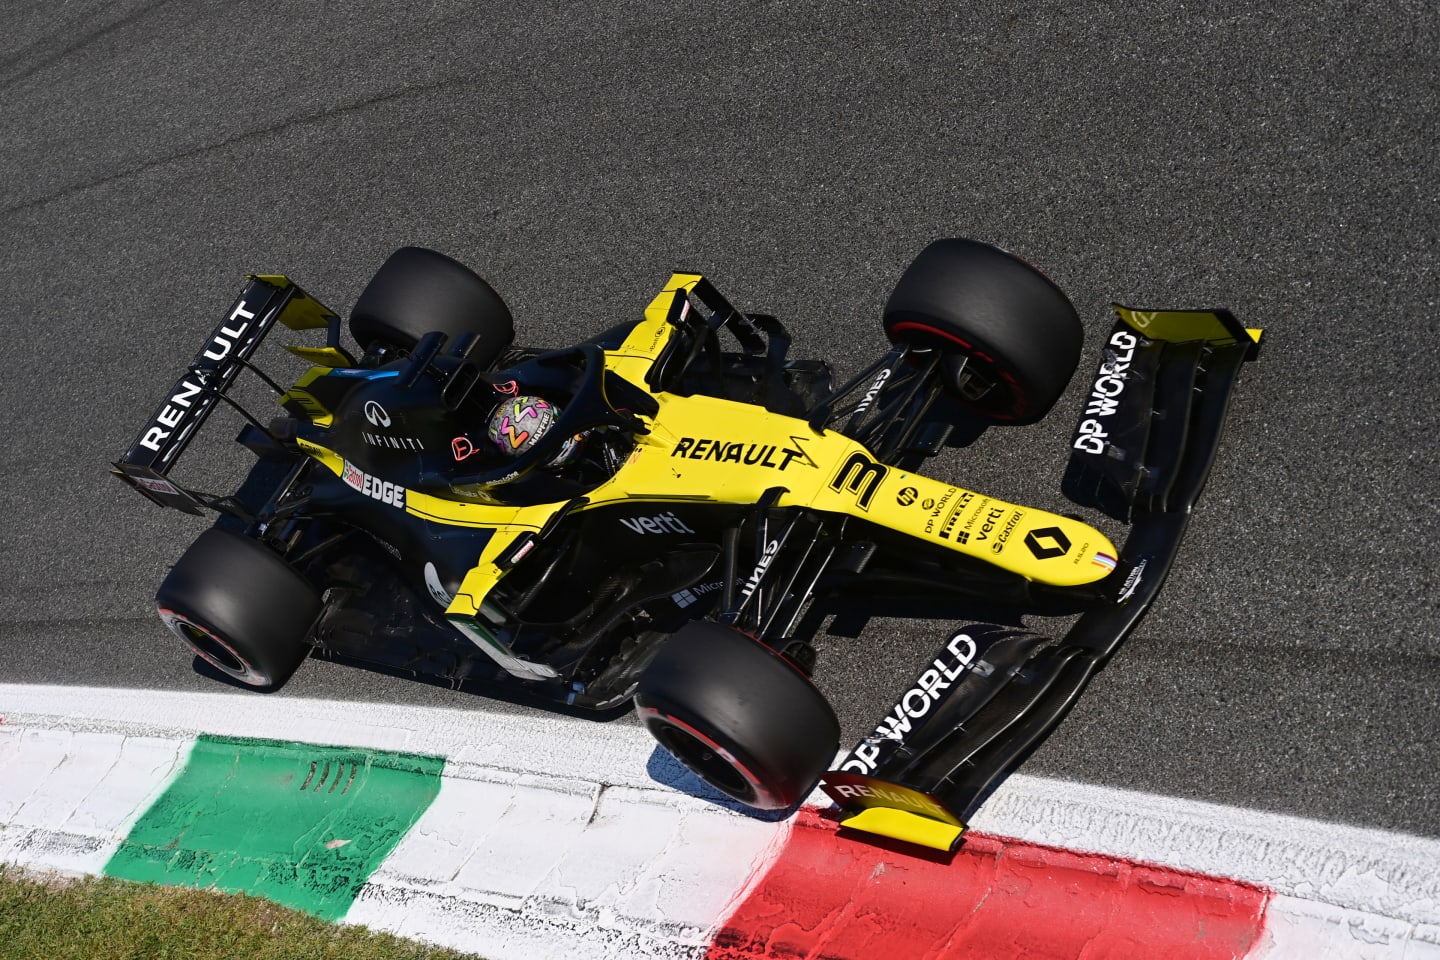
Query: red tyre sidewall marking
x=985, y=357
x=171, y=618
x=740, y=768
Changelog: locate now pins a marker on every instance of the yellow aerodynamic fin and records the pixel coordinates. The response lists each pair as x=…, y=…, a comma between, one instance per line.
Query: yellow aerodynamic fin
x=1183, y=326
x=330, y=357
x=892, y=810
x=300, y=402
x=650, y=336
x=906, y=826
x=302, y=311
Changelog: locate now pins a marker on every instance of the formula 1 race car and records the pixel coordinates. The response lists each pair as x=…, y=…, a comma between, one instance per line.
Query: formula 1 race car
x=648, y=515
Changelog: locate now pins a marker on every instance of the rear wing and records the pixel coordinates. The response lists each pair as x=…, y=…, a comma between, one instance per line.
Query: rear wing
x=1141, y=452
x=159, y=444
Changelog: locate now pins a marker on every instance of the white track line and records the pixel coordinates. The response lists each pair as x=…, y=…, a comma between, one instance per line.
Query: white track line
x=1352, y=872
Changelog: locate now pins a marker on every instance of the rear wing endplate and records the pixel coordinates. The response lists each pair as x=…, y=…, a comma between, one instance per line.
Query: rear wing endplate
x=157, y=448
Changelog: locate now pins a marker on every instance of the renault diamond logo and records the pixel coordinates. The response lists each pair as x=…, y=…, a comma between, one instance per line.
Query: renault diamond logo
x=1048, y=543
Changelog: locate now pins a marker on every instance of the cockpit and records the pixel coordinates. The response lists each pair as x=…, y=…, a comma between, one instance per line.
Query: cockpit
x=548, y=428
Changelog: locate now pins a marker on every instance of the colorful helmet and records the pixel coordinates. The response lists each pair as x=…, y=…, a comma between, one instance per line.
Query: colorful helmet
x=519, y=423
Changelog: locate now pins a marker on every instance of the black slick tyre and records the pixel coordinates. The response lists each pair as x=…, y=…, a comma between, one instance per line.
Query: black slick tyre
x=1017, y=332
x=417, y=291
x=738, y=716
x=239, y=607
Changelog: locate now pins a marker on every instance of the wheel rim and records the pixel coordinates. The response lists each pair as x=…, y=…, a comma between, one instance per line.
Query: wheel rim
x=213, y=649
x=995, y=392
x=705, y=758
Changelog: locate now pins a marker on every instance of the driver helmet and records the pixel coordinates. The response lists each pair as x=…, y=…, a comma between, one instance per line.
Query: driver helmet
x=520, y=422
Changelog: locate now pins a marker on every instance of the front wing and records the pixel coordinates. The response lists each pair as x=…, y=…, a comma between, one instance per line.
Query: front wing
x=1141, y=452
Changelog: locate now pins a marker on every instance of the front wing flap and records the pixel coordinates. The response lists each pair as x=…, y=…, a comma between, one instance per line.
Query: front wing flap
x=1164, y=374
x=1141, y=452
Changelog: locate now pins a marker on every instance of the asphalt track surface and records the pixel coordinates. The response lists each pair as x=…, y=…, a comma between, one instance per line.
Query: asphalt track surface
x=1280, y=164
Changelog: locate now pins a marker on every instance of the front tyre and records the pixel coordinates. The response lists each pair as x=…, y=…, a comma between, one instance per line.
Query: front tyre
x=1016, y=332
x=239, y=607
x=738, y=716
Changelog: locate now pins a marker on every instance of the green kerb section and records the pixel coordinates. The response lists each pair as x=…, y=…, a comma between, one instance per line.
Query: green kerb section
x=302, y=825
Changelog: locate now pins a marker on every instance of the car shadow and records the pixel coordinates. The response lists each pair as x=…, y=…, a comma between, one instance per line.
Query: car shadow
x=665, y=770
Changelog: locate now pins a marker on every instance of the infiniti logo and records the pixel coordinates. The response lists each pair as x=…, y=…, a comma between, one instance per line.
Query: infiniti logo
x=376, y=414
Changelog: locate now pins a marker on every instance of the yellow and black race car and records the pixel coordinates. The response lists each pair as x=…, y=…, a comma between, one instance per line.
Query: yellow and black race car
x=650, y=514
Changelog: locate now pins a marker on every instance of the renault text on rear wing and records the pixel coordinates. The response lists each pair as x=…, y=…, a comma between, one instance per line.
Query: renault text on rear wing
x=157, y=448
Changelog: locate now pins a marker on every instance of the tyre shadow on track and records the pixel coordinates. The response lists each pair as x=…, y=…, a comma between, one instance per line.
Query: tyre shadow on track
x=665, y=770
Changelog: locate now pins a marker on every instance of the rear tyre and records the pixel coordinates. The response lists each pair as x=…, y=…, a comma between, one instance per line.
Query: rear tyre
x=738, y=716
x=1017, y=332
x=417, y=291
x=239, y=607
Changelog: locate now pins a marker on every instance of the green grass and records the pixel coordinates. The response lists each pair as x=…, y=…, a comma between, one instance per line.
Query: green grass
x=51, y=919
